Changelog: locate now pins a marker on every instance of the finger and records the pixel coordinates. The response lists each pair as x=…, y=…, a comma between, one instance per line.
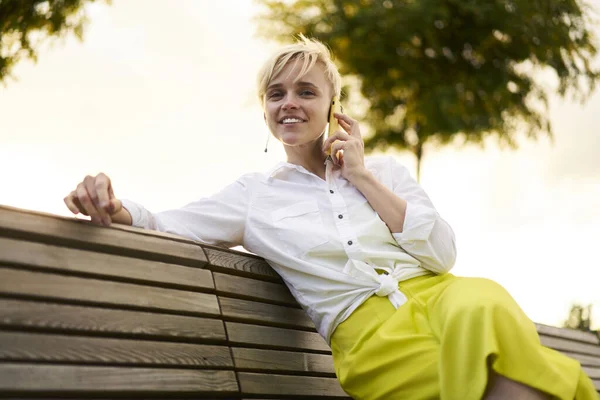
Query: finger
x=338, y=135
x=80, y=206
x=115, y=205
x=337, y=151
x=86, y=202
x=74, y=208
x=102, y=186
x=92, y=188
x=345, y=118
x=352, y=129
x=346, y=126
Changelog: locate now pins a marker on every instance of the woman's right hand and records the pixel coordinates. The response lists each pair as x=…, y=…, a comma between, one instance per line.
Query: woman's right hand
x=94, y=196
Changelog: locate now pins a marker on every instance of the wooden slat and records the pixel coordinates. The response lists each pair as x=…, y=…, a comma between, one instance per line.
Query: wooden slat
x=266, y=336
x=19, y=346
x=590, y=361
x=253, y=289
x=264, y=313
x=45, y=379
x=153, y=233
x=270, y=384
x=22, y=314
x=593, y=373
x=16, y=282
x=571, y=334
x=569, y=345
x=234, y=263
x=41, y=255
x=277, y=360
x=82, y=234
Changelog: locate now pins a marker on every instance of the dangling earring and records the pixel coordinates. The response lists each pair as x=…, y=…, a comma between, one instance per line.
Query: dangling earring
x=268, y=133
x=267, y=144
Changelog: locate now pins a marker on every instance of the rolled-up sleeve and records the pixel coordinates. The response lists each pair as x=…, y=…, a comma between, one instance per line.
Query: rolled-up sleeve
x=217, y=220
x=425, y=235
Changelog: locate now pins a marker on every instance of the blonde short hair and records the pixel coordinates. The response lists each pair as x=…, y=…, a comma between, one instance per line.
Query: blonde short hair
x=306, y=50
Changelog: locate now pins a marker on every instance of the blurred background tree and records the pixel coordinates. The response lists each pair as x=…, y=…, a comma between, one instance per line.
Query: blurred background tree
x=25, y=24
x=580, y=318
x=440, y=71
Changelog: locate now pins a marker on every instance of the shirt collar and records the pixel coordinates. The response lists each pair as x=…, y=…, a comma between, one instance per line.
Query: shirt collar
x=272, y=173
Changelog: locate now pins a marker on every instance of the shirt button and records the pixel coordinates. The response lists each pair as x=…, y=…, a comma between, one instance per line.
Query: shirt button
x=340, y=216
x=331, y=191
x=349, y=242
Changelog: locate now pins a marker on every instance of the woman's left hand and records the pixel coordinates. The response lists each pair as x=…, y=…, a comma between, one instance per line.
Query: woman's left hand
x=348, y=149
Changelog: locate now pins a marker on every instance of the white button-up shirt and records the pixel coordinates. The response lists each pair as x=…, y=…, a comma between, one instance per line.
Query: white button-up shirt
x=322, y=236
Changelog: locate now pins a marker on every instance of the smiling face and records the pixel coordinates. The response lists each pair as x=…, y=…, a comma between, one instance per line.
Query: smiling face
x=296, y=110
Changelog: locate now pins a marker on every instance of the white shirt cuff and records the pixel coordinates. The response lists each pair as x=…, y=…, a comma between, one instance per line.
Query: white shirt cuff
x=418, y=223
x=136, y=212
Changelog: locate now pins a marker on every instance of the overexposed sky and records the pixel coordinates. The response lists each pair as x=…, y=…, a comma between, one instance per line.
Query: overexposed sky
x=162, y=99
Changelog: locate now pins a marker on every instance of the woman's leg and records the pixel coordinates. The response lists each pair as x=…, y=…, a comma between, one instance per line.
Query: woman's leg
x=502, y=388
x=477, y=321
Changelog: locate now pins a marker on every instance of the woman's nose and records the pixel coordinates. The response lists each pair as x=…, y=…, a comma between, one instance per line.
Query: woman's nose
x=289, y=104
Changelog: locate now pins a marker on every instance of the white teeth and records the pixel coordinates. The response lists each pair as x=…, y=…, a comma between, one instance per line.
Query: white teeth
x=291, y=120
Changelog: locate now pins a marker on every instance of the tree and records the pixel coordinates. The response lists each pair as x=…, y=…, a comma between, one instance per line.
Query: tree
x=25, y=24
x=440, y=71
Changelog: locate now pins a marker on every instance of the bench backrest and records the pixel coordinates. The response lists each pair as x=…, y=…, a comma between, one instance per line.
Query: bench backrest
x=89, y=311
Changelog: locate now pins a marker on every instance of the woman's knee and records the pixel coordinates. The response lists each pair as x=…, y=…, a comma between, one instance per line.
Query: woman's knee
x=476, y=293
x=476, y=297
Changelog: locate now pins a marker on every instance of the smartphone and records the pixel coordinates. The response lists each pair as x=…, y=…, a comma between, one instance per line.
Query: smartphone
x=335, y=107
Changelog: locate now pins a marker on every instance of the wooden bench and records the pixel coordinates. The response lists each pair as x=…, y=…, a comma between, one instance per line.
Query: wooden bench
x=88, y=311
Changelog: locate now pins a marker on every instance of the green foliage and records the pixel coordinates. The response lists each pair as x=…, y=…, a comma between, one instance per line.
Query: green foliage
x=436, y=70
x=25, y=24
x=580, y=318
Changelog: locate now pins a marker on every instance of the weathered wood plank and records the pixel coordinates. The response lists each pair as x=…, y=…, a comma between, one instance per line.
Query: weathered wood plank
x=271, y=384
x=20, y=346
x=28, y=315
x=266, y=336
x=253, y=289
x=23, y=224
x=153, y=233
x=254, y=312
x=592, y=372
x=36, y=284
x=46, y=379
x=233, y=263
x=571, y=334
x=569, y=345
x=65, y=259
x=589, y=361
x=277, y=360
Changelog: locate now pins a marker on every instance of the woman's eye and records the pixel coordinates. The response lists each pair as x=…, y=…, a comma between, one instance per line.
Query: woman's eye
x=273, y=95
x=307, y=93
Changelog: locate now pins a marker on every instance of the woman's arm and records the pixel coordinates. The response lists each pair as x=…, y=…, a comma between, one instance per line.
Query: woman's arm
x=410, y=216
x=217, y=220
x=390, y=207
x=402, y=204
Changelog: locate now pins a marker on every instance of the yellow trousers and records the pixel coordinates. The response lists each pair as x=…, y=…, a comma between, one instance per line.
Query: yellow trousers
x=440, y=344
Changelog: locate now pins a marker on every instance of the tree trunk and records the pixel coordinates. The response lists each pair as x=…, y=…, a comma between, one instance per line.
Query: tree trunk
x=419, y=154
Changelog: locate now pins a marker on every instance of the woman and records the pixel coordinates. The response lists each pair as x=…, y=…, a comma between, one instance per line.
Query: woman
x=364, y=251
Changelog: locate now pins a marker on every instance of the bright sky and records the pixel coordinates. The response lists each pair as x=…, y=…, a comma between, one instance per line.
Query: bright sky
x=162, y=100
